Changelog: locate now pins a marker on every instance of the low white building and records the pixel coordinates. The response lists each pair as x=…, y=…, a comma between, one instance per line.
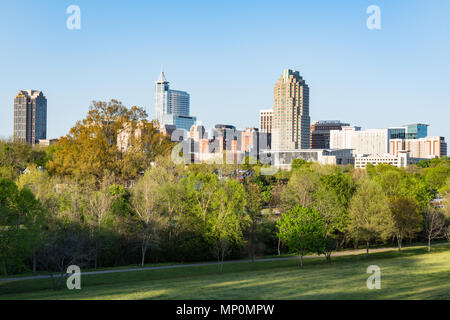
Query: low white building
x=283, y=159
x=400, y=161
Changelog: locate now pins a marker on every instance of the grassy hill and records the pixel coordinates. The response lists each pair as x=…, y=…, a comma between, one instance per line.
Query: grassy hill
x=411, y=274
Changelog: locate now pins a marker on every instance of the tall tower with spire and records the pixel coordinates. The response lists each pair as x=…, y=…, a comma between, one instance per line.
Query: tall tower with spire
x=172, y=107
x=161, y=97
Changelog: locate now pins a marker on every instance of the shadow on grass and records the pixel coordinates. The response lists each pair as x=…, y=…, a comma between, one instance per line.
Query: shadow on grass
x=343, y=279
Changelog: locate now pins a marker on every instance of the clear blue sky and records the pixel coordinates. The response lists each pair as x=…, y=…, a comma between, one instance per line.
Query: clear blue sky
x=228, y=56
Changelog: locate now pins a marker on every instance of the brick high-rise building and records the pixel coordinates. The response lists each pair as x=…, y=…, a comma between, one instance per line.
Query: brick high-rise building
x=291, y=121
x=30, y=116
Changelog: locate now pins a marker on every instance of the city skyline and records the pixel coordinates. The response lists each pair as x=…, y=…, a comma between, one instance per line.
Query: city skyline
x=376, y=74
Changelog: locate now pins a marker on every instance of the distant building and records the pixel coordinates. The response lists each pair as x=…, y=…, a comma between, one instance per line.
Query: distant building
x=320, y=133
x=198, y=132
x=371, y=141
x=172, y=107
x=291, y=121
x=128, y=135
x=30, y=116
x=416, y=131
x=250, y=141
x=401, y=160
x=265, y=120
x=48, y=142
x=283, y=159
x=422, y=148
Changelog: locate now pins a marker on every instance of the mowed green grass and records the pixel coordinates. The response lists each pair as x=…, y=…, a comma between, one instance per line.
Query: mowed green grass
x=412, y=274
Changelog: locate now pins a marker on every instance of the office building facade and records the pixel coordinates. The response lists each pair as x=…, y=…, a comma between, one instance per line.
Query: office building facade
x=416, y=131
x=422, y=148
x=371, y=141
x=291, y=121
x=401, y=160
x=320, y=133
x=30, y=116
x=265, y=120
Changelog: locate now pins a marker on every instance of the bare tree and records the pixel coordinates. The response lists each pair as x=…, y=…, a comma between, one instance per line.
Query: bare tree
x=65, y=245
x=99, y=203
x=146, y=203
x=434, y=223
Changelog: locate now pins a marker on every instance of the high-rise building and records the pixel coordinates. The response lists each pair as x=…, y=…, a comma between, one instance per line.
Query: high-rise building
x=320, y=133
x=172, y=107
x=291, y=121
x=30, y=116
x=265, y=120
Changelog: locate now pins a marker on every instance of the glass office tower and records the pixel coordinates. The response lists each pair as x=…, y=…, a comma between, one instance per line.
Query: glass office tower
x=172, y=107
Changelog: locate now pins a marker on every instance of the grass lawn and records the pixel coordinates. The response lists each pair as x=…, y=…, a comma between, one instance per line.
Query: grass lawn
x=412, y=274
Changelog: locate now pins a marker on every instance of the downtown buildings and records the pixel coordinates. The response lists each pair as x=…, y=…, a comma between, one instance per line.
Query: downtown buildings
x=30, y=116
x=399, y=146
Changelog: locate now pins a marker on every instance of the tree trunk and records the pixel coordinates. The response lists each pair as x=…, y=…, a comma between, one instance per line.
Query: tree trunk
x=252, y=239
x=218, y=259
x=367, y=249
x=399, y=241
x=34, y=262
x=144, y=250
x=301, y=260
x=328, y=256
x=223, y=256
x=5, y=272
x=279, y=243
x=429, y=243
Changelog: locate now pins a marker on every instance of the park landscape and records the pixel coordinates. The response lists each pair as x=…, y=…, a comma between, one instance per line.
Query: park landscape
x=207, y=233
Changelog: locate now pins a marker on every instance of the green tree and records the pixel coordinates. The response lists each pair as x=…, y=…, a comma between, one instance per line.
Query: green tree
x=146, y=202
x=332, y=200
x=302, y=229
x=434, y=223
x=254, y=206
x=407, y=218
x=227, y=219
x=369, y=213
x=20, y=221
x=300, y=189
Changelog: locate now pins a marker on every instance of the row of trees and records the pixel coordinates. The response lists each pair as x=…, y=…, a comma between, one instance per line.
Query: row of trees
x=325, y=207
x=89, y=202
x=178, y=213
